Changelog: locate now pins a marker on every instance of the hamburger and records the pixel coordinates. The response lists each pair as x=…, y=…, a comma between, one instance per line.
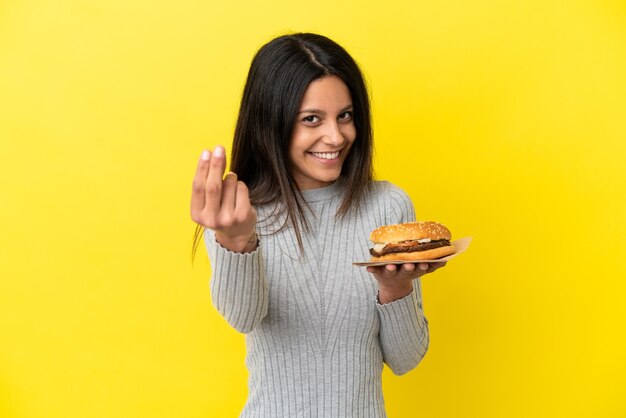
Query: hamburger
x=411, y=241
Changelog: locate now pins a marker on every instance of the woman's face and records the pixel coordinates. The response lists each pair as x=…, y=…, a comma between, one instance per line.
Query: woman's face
x=323, y=133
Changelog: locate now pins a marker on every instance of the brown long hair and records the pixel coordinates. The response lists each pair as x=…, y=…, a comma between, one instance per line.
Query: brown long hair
x=278, y=77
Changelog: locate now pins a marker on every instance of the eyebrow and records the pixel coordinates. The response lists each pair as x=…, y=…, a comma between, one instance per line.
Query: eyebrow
x=321, y=112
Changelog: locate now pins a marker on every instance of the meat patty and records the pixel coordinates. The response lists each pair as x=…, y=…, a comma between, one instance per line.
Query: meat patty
x=409, y=247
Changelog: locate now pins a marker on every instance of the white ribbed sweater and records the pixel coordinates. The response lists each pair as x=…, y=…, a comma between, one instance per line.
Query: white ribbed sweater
x=316, y=336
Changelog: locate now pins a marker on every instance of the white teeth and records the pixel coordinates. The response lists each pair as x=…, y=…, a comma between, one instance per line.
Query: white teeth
x=326, y=155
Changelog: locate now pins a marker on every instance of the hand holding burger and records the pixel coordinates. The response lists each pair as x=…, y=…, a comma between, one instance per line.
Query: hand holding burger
x=409, y=241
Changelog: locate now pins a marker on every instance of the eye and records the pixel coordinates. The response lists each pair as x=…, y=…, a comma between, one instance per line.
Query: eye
x=346, y=116
x=311, y=119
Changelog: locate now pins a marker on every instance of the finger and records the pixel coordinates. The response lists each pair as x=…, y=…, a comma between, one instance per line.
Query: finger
x=436, y=266
x=408, y=267
x=423, y=266
x=243, y=207
x=198, y=195
x=213, y=187
x=391, y=268
x=229, y=191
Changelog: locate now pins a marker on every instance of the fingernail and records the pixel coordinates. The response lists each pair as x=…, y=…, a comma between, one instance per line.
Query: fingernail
x=206, y=155
x=423, y=266
x=219, y=151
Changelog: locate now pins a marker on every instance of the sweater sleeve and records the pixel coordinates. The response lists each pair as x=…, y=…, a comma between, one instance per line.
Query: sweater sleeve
x=404, y=335
x=239, y=289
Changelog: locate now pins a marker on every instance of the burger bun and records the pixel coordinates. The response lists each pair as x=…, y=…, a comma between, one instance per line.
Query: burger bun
x=417, y=255
x=410, y=231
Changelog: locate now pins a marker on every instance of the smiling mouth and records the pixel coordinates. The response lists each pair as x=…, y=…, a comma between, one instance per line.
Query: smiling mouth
x=326, y=155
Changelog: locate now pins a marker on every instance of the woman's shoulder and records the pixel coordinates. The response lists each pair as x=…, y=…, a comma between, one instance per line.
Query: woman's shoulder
x=389, y=201
x=383, y=189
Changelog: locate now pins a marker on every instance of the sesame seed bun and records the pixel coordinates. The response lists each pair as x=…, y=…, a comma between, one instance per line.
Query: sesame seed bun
x=410, y=231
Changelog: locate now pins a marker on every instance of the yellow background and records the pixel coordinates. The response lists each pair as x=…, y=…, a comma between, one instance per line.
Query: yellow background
x=504, y=120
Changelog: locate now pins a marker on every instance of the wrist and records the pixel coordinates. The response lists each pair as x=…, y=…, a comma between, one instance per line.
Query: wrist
x=388, y=294
x=238, y=244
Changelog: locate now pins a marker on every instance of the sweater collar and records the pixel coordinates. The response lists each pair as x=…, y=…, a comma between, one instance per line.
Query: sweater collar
x=323, y=193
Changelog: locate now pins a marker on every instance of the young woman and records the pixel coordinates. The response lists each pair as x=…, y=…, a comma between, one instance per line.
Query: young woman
x=284, y=226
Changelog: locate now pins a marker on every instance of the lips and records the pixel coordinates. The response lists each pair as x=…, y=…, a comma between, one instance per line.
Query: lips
x=326, y=155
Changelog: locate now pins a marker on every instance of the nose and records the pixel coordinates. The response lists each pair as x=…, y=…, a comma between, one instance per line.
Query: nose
x=333, y=135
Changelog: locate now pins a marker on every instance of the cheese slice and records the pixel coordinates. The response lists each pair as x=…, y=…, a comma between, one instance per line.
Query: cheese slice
x=378, y=247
